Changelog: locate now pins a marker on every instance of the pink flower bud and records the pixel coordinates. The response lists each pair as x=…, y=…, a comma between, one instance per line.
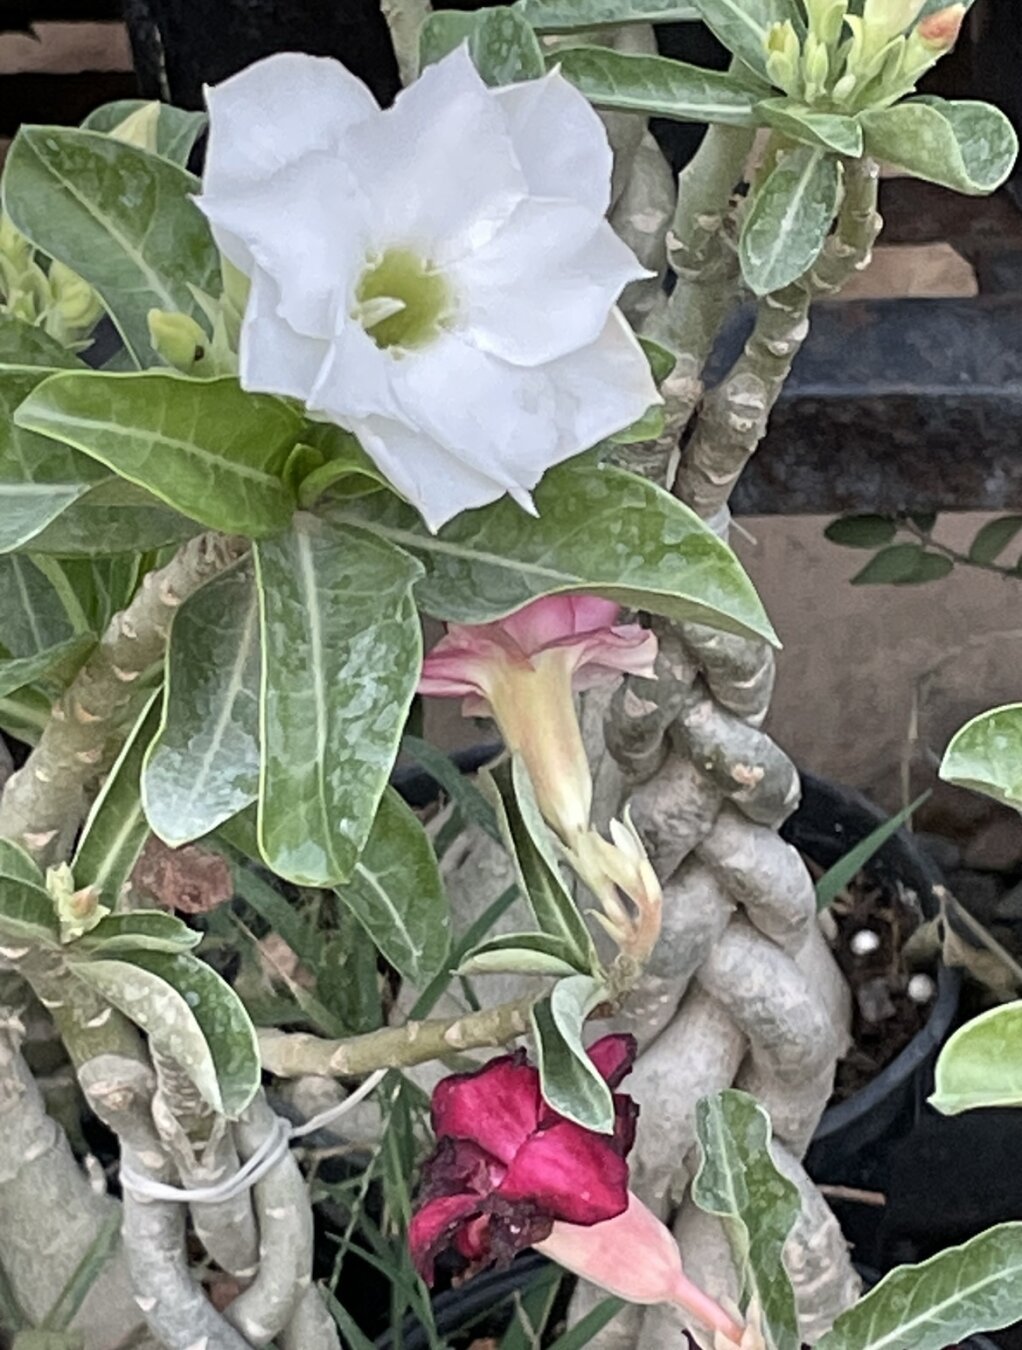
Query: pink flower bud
x=941, y=29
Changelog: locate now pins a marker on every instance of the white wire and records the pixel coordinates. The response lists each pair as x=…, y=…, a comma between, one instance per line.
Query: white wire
x=263, y=1160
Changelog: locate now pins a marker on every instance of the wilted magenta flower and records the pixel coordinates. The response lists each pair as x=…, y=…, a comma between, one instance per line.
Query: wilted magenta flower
x=522, y=670
x=507, y=1166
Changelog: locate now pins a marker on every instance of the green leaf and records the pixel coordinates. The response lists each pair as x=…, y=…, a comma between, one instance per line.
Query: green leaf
x=993, y=538
x=743, y=25
x=342, y=652
x=23, y=344
x=189, y=1014
x=974, y=1287
x=27, y=913
x=522, y=953
x=861, y=531
x=501, y=43
x=116, y=828
x=177, y=130
x=657, y=86
x=970, y=147
x=986, y=755
x=205, y=447
x=203, y=766
x=461, y=790
x=789, y=220
x=661, y=359
x=981, y=1065
x=397, y=896
x=599, y=529
x=570, y=1080
x=119, y=217
x=836, y=878
x=58, y=663
x=150, y=930
x=903, y=565
x=113, y=517
x=565, y=16
x=32, y=617
x=344, y=468
x=738, y=1181
x=827, y=131
x=532, y=1310
x=586, y=1328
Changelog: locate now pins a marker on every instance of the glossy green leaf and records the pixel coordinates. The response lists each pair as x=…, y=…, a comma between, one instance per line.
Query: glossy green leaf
x=738, y=1181
x=970, y=147
x=827, y=131
x=116, y=827
x=657, y=86
x=986, y=755
x=342, y=652
x=570, y=1081
x=743, y=25
x=565, y=16
x=57, y=664
x=397, y=895
x=993, y=538
x=203, y=766
x=981, y=1065
x=33, y=618
x=23, y=344
x=191, y=1015
x=177, y=130
x=522, y=953
x=599, y=529
x=974, y=1287
x=150, y=930
x=862, y=531
x=119, y=217
x=27, y=913
x=903, y=565
x=789, y=220
x=501, y=43
x=205, y=447
x=114, y=517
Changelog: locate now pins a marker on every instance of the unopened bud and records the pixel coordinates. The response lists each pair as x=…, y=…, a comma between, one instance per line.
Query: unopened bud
x=941, y=30
x=75, y=307
x=177, y=338
x=826, y=19
x=14, y=247
x=886, y=19
x=784, y=52
x=139, y=128
x=815, y=67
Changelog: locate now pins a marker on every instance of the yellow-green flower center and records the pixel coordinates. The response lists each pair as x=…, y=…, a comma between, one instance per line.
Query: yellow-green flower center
x=401, y=300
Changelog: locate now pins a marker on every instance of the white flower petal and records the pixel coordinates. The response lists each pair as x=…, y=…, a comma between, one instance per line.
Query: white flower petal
x=355, y=380
x=601, y=389
x=306, y=226
x=438, y=167
x=560, y=141
x=545, y=284
x=277, y=111
x=272, y=357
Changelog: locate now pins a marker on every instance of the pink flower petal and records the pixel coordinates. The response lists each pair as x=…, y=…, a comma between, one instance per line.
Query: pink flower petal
x=459, y=1167
x=629, y=650
x=545, y=621
x=614, y=1057
x=626, y=1118
x=460, y=662
x=569, y=1172
x=434, y=1227
x=592, y=613
x=497, y=1107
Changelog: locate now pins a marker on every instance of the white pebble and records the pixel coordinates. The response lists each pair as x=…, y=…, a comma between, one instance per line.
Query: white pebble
x=864, y=942
x=921, y=988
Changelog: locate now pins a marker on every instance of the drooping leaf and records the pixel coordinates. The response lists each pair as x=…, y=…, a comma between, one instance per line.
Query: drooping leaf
x=970, y=147
x=397, y=895
x=974, y=1287
x=743, y=25
x=565, y=16
x=790, y=218
x=150, y=930
x=570, y=1081
x=598, y=529
x=57, y=663
x=33, y=618
x=119, y=217
x=177, y=130
x=657, y=86
x=903, y=565
x=738, y=1180
x=981, y=1065
x=116, y=827
x=205, y=447
x=203, y=766
x=993, y=538
x=501, y=43
x=522, y=953
x=23, y=344
x=827, y=131
x=986, y=755
x=27, y=913
x=191, y=1015
x=862, y=531
x=342, y=651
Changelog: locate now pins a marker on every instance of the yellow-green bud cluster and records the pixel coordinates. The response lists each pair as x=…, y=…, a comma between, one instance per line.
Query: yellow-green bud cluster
x=56, y=300
x=848, y=62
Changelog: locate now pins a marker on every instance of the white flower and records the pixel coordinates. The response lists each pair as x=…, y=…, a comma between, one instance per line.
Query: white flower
x=437, y=278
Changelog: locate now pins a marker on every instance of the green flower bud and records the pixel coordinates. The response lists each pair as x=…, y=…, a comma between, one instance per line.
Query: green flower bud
x=815, y=68
x=177, y=338
x=886, y=19
x=139, y=128
x=784, y=52
x=826, y=19
x=13, y=245
x=74, y=304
